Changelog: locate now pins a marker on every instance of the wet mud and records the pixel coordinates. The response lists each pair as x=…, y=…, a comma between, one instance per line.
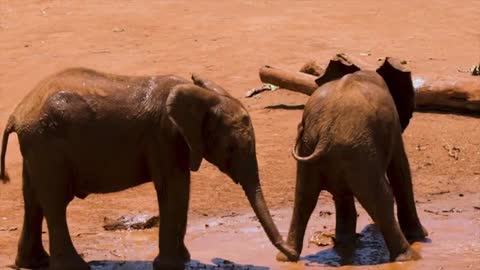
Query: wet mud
x=238, y=242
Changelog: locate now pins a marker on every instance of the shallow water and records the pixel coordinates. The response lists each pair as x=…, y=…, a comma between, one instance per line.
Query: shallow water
x=239, y=243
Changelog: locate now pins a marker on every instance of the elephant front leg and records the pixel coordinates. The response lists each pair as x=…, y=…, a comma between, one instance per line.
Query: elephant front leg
x=307, y=190
x=31, y=253
x=173, y=197
x=400, y=178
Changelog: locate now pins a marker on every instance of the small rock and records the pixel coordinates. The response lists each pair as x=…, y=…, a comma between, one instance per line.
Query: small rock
x=117, y=30
x=322, y=239
x=8, y=229
x=475, y=70
x=453, y=151
x=420, y=147
x=135, y=222
x=323, y=213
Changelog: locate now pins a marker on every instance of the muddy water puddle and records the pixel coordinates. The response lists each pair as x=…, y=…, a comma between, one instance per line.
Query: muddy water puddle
x=238, y=242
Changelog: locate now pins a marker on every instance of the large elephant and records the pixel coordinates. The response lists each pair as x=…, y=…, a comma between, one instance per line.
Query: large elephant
x=349, y=143
x=82, y=131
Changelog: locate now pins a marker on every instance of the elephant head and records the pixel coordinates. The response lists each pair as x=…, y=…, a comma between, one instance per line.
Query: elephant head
x=399, y=82
x=397, y=78
x=338, y=67
x=217, y=127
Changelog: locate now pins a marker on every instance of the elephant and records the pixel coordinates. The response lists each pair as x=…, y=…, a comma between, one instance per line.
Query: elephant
x=349, y=143
x=83, y=131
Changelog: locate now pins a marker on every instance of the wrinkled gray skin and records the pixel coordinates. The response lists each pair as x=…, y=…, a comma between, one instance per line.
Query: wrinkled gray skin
x=349, y=143
x=83, y=131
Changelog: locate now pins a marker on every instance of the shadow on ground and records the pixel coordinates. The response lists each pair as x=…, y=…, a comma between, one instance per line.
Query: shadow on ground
x=371, y=250
x=217, y=264
x=285, y=107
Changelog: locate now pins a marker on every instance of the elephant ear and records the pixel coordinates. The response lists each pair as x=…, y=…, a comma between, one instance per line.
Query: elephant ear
x=187, y=106
x=338, y=67
x=208, y=84
x=399, y=82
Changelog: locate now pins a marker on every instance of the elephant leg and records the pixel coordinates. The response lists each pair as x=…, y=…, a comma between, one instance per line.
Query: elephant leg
x=398, y=173
x=54, y=195
x=173, y=197
x=374, y=194
x=346, y=221
x=31, y=253
x=307, y=189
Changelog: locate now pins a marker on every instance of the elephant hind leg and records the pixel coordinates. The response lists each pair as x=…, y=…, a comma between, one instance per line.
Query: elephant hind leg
x=31, y=253
x=400, y=178
x=374, y=194
x=346, y=239
x=51, y=180
x=346, y=221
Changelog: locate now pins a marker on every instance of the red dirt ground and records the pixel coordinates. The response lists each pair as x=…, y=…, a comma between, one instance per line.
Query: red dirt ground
x=228, y=41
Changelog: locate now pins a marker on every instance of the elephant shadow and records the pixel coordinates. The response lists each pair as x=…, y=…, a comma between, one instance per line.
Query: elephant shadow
x=370, y=250
x=217, y=264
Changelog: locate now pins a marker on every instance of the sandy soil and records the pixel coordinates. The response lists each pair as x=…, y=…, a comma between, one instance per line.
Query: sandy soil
x=228, y=41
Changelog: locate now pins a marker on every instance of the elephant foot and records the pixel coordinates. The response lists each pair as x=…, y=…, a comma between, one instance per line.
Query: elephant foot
x=416, y=233
x=40, y=259
x=409, y=255
x=73, y=262
x=346, y=242
x=185, y=254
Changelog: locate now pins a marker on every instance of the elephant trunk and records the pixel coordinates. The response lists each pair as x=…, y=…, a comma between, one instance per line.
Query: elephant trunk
x=257, y=201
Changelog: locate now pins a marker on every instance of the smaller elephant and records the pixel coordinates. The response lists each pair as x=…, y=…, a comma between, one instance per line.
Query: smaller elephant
x=349, y=143
x=83, y=131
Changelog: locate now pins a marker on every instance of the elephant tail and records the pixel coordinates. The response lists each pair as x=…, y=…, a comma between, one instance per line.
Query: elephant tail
x=317, y=152
x=8, y=129
x=316, y=155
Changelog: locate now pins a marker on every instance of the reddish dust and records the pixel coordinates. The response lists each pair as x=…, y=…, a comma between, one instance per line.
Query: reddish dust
x=228, y=41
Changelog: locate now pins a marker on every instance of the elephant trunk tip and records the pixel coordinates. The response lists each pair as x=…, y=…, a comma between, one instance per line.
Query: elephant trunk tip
x=4, y=177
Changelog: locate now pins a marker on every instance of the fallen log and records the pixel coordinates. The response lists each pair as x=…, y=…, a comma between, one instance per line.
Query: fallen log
x=295, y=81
x=453, y=94
x=448, y=94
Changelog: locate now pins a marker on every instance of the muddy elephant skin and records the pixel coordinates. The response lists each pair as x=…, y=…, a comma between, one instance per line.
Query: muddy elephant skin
x=349, y=143
x=82, y=131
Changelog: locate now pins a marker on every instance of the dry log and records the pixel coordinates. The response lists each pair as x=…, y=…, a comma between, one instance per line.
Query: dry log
x=449, y=94
x=295, y=81
x=446, y=94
